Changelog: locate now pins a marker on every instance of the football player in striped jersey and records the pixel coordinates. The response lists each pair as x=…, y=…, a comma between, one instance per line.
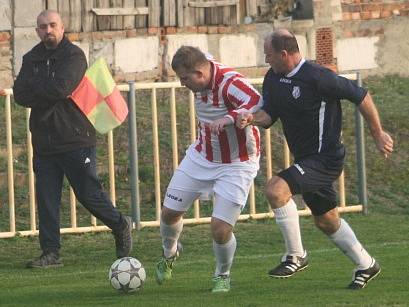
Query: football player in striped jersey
x=222, y=161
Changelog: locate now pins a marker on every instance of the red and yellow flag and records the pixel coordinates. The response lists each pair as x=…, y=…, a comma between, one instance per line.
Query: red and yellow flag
x=99, y=99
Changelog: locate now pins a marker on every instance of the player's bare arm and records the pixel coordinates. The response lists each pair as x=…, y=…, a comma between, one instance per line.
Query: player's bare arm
x=218, y=125
x=259, y=118
x=383, y=140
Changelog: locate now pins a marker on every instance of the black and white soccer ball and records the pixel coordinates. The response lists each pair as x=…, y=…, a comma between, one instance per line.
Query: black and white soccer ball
x=127, y=274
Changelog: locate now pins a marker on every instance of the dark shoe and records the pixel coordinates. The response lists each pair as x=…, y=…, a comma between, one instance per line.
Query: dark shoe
x=46, y=260
x=360, y=278
x=123, y=238
x=290, y=266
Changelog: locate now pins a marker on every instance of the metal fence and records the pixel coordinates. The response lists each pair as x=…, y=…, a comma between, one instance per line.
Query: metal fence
x=132, y=92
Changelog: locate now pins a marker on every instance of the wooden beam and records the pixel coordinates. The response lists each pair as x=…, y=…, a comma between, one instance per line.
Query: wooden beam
x=103, y=22
x=169, y=13
x=226, y=11
x=129, y=21
x=154, y=13
x=188, y=14
x=251, y=8
x=64, y=10
x=117, y=21
x=117, y=11
x=141, y=21
x=75, y=15
x=88, y=21
x=179, y=11
x=200, y=15
x=213, y=3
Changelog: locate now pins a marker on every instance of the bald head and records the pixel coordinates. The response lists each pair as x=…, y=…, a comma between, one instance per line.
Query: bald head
x=282, y=32
x=50, y=28
x=47, y=13
x=281, y=51
x=282, y=39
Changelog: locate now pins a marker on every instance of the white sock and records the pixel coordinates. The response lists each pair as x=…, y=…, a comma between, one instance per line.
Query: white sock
x=347, y=242
x=224, y=254
x=287, y=220
x=170, y=235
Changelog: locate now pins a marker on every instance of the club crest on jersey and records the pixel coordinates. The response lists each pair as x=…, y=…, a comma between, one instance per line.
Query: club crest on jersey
x=296, y=92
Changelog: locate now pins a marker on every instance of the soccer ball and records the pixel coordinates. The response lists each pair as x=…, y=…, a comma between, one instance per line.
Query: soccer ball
x=127, y=274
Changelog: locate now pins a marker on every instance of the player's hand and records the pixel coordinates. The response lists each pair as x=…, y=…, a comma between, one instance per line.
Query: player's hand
x=2, y=92
x=218, y=125
x=244, y=119
x=384, y=143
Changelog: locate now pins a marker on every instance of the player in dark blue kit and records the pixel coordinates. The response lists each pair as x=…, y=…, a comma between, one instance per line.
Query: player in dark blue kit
x=306, y=98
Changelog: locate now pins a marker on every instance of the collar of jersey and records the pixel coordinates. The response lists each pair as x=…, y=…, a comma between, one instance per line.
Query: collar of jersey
x=214, y=69
x=296, y=69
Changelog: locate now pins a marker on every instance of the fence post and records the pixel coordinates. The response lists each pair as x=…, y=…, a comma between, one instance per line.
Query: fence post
x=360, y=155
x=133, y=155
x=10, y=166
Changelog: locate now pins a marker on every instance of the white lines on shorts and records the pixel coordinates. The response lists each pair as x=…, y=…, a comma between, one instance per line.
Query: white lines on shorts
x=302, y=172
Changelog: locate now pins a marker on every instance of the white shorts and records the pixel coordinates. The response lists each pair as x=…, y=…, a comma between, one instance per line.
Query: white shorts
x=196, y=177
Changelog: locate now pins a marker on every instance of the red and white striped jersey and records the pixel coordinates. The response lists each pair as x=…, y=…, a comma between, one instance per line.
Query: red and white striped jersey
x=228, y=93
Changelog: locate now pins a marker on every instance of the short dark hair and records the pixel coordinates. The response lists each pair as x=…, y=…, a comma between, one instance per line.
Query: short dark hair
x=188, y=58
x=285, y=42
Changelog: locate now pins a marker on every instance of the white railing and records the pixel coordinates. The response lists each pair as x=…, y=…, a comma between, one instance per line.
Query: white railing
x=172, y=87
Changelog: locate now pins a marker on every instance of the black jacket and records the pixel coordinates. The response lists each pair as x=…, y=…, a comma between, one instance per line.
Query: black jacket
x=46, y=79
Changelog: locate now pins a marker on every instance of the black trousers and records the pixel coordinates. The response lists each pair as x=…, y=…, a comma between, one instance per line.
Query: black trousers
x=79, y=167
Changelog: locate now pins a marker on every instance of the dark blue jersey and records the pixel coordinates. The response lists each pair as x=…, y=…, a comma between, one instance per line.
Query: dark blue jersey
x=307, y=101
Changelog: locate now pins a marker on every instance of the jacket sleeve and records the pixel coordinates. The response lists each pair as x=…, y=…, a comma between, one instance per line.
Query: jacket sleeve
x=62, y=82
x=23, y=94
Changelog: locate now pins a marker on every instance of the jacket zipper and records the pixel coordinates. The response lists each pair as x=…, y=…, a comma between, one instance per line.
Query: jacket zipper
x=48, y=132
x=48, y=68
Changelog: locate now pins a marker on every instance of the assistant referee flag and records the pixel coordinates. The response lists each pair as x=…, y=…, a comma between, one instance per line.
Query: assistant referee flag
x=99, y=99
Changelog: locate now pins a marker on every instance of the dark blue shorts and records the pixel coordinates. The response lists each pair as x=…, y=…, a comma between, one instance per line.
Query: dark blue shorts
x=313, y=177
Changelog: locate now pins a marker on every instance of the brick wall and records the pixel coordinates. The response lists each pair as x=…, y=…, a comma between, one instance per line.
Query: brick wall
x=6, y=79
x=373, y=9
x=324, y=46
x=108, y=35
x=163, y=71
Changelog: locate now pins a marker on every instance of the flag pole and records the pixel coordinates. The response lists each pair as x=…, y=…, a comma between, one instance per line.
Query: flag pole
x=133, y=156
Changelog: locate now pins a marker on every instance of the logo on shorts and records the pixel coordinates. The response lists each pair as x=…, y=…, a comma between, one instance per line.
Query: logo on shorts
x=175, y=198
x=299, y=168
x=296, y=92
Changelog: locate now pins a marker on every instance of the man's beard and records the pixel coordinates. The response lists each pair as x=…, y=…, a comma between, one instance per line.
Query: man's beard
x=50, y=42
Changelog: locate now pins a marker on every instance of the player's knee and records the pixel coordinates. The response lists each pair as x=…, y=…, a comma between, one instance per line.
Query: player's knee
x=169, y=216
x=221, y=237
x=275, y=193
x=328, y=223
x=221, y=231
